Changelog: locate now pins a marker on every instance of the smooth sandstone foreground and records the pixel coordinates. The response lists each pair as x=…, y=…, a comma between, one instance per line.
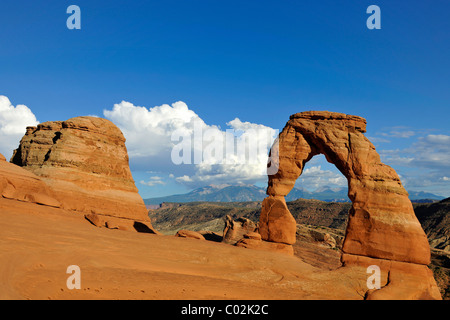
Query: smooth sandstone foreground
x=382, y=227
x=38, y=243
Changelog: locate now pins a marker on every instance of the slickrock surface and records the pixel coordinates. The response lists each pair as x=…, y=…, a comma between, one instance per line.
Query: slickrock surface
x=85, y=161
x=381, y=224
x=38, y=243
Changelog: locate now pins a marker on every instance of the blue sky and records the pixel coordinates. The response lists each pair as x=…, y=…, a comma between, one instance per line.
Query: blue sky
x=258, y=61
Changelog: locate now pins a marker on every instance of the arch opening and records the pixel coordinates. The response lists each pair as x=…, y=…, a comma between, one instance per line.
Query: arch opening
x=320, y=180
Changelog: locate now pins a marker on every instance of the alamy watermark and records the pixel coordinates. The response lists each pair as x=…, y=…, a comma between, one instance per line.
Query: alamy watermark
x=74, y=280
x=374, y=20
x=74, y=20
x=374, y=280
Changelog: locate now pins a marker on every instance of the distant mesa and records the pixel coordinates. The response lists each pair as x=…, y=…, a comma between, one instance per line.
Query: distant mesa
x=212, y=193
x=435, y=220
x=240, y=193
x=85, y=161
x=382, y=227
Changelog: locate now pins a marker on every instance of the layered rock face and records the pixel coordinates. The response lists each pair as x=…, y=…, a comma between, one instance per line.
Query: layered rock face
x=19, y=184
x=86, y=161
x=381, y=224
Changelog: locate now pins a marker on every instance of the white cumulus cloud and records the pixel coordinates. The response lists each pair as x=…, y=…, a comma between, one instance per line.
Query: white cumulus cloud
x=315, y=177
x=426, y=163
x=153, y=181
x=431, y=151
x=13, y=123
x=175, y=140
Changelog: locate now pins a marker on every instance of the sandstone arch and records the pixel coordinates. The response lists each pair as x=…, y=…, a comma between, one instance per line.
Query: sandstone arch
x=382, y=228
x=382, y=223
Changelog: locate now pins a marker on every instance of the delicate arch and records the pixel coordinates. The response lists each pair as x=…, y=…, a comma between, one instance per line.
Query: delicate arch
x=381, y=224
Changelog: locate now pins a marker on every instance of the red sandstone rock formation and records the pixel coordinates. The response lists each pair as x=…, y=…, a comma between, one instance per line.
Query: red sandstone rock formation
x=85, y=160
x=276, y=223
x=235, y=230
x=244, y=233
x=19, y=184
x=381, y=224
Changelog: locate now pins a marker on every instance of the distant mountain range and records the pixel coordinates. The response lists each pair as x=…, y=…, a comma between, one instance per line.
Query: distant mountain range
x=241, y=193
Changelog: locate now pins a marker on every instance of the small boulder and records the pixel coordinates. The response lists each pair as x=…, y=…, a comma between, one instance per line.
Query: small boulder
x=189, y=234
x=329, y=240
x=95, y=219
x=236, y=229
